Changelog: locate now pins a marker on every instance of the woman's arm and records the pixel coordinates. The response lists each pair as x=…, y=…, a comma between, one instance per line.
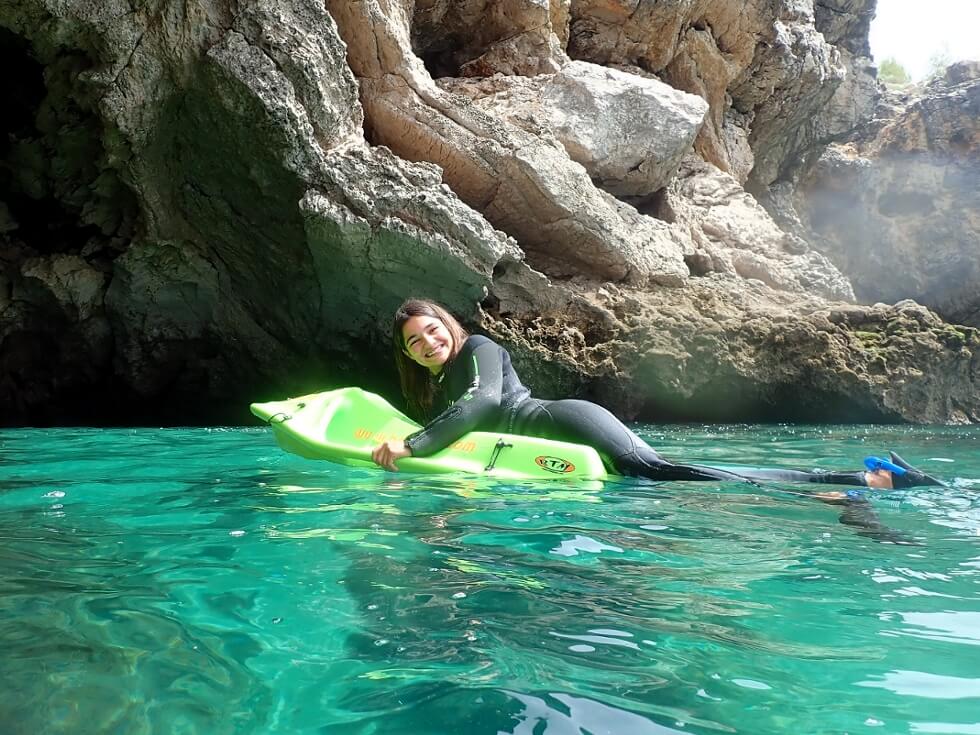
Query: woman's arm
x=484, y=370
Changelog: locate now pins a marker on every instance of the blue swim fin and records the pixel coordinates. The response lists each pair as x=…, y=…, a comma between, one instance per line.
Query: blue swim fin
x=904, y=475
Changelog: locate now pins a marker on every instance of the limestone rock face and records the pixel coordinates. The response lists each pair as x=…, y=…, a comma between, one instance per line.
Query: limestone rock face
x=213, y=212
x=734, y=235
x=845, y=24
x=630, y=133
x=523, y=185
x=900, y=209
x=484, y=37
x=204, y=204
x=765, y=69
x=725, y=352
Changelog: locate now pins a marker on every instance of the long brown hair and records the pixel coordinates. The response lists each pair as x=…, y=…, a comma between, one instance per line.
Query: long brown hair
x=417, y=383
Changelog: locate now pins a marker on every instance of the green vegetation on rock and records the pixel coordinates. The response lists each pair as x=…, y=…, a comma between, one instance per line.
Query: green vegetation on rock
x=893, y=73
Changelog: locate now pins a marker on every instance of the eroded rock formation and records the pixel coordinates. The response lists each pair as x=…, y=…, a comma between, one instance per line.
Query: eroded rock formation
x=630, y=133
x=899, y=206
x=207, y=204
x=523, y=185
x=218, y=215
x=735, y=236
x=735, y=352
x=767, y=69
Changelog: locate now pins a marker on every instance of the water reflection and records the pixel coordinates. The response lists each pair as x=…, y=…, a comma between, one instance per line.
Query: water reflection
x=947, y=626
x=930, y=686
x=561, y=714
x=182, y=583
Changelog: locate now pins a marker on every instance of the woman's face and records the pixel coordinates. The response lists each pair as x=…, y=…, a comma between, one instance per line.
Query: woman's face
x=427, y=342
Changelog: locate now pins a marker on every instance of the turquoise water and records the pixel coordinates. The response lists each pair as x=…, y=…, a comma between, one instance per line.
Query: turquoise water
x=201, y=581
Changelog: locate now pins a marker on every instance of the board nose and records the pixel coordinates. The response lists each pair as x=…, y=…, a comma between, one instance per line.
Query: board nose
x=266, y=411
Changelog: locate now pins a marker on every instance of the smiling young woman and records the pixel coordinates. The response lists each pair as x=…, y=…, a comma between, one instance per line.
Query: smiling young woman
x=424, y=337
x=428, y=342
x=408, y=338
x=459, y=383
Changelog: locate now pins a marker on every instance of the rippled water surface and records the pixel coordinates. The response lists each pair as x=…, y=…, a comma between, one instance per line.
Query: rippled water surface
x=201, y=581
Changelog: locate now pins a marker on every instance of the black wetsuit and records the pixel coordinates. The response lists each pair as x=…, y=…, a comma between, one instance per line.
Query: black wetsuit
x=482, y=392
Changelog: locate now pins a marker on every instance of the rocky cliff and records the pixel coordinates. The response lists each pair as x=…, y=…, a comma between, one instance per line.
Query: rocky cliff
x=204, y=204
x=897, y=206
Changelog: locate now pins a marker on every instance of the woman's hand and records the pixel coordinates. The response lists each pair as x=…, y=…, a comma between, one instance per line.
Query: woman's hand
x=386, y=454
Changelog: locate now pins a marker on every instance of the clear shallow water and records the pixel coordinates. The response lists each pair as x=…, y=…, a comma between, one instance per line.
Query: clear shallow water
x=202, y=581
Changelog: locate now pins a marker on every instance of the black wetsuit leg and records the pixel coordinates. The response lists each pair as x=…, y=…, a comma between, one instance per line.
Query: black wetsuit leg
x=583, y=422
x=821, y=478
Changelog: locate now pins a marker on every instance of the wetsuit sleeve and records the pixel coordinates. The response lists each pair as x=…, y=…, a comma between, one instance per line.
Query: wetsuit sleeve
x=473, y=408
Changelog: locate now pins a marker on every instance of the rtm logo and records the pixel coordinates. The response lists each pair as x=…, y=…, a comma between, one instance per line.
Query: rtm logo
x=554, y=464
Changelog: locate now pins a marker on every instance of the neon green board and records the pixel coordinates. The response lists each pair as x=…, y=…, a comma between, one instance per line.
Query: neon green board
x=344, y=425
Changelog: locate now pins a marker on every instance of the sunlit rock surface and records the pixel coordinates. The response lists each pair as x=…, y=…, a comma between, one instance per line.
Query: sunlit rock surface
x=899, y=208
x=734, y=235
x=630, y=133
x=734, y=352
x=210, y=203
x=767, y=69
x=523, y=185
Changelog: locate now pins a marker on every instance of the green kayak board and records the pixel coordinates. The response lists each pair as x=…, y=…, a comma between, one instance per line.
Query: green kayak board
x=344, y=425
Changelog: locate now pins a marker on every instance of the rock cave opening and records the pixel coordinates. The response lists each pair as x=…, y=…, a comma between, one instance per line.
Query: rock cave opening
x=58, y=199
x=446, y=36
x=439, y=51
x=440, y=62
x=22, y=85
x=36, y=216
x=656, y=205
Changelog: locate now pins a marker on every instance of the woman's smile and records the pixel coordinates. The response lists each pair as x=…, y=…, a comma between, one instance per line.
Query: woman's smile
x=427, y=342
